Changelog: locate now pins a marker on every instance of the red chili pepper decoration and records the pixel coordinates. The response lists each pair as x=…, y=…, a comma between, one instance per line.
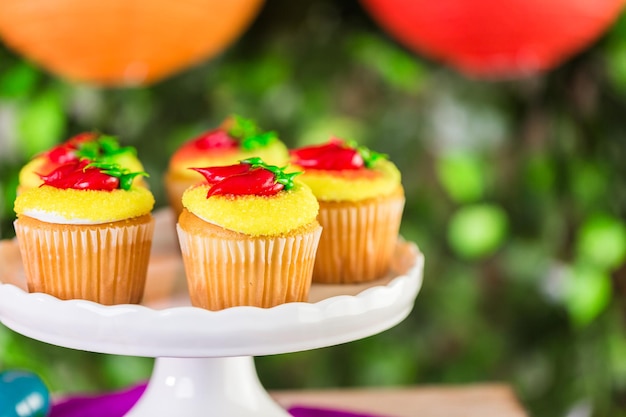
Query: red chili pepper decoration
x=87, y=175
x=66, y=152
x=79, y=176
x=250, y=177
x=214, y=139
x=86, y=145
x=234, y=132
x=336, y=155
x=257, y=181
x=58, y=175
x=217, y=174
x=94, y=179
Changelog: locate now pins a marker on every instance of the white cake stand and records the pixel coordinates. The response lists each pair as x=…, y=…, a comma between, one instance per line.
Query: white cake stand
x=204, y=359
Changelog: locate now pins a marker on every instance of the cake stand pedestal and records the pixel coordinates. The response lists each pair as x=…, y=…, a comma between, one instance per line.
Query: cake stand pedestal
x=205, y=387
x=204, y=359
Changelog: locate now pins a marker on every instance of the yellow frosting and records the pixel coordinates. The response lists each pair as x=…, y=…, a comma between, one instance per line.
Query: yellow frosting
x=127, y=160
x=254, y=215
x=28, y=177
x=349, y=185
x=84, y=206
x=275, y=153
x=28, y=174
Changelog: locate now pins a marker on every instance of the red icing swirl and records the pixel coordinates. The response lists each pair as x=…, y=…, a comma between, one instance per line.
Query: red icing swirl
x=79, y=175
x=256, y=181
x=249, y=177
x=89, y=175
x=66, y=152
x=214, y=139
x=332, y=156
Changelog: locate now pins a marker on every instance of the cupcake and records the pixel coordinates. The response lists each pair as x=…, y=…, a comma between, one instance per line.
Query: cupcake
x=86, y=233
x=86, y=145
x=248, y=236
x=361, y=201
x=235, y=139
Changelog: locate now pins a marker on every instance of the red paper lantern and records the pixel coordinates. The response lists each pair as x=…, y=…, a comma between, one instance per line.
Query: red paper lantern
x=496, y=38
x=121, y=42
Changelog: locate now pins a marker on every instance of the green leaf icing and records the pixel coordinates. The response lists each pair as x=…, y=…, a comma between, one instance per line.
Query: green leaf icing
x=125, y=176
x=249, y=134
x=104, y=147
x=282, y=177
x=370, y=157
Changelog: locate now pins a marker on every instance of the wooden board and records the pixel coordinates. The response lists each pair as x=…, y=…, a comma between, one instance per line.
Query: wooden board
x=484, y=400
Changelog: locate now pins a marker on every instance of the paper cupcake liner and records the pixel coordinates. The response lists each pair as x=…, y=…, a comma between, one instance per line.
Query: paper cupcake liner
x=261, y=272
x=107, y=265
x=358, y=240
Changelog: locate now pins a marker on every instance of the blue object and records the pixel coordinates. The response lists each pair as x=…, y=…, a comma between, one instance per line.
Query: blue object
x=23, y=394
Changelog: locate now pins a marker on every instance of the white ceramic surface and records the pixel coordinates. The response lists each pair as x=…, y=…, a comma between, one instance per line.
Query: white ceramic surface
x=187, y=331
x=166, y=324
x=205, y=387
x=204, y=364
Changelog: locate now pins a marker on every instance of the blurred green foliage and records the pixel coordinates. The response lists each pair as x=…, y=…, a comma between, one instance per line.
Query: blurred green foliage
x=516, y=193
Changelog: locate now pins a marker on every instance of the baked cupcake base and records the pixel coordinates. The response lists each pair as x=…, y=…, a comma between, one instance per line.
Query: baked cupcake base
x=227, y=269
x=106, y=263
x=358, y=240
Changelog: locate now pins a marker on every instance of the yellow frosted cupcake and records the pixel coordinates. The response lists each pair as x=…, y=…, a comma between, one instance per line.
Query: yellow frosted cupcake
x=87, y=145
x=86, y=233
x=361, y=202
x=235, y=139
x=248, y=236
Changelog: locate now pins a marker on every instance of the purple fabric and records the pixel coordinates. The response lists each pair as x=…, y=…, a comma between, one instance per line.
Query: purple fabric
x=116, y=404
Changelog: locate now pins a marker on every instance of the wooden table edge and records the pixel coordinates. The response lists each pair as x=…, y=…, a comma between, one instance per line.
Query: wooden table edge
x=475, y=400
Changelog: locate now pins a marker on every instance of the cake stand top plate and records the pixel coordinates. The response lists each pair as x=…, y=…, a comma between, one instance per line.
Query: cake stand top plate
x=166, y=325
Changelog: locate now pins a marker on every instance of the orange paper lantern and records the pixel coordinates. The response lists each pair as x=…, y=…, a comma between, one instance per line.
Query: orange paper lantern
x=122, y=42
x=496, y=38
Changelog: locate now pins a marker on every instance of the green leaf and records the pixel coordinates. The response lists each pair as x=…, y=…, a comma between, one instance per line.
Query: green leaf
x=249, y=134
x=369, y=156
x=18, y=81
x=601, y=241
x=124, y=175
x=588, y=291
x=280, y=176
x=539, y=174
x=462, y=175
x=122, y=371
x=126, y=179
x=615, y=58
x=257, y=141
x=109, y=144
x=393, y=65
x=42, y=123
x=476, y=231
x=105, y=148
x=617, y=355
x=242, y=127
x=590, y=181
x=88, y=150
